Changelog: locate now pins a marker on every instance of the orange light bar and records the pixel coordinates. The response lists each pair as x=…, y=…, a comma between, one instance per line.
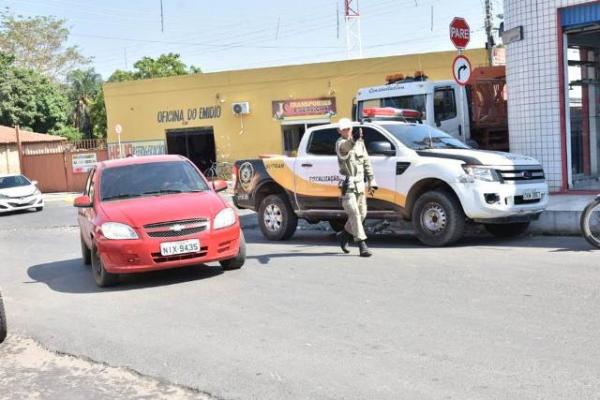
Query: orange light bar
x=371, y=112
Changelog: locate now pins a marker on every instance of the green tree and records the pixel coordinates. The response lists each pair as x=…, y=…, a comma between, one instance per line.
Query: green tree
x=83, y=89
x=161, y=67
x=98, y=115
x=39, y=43
x=29, y=99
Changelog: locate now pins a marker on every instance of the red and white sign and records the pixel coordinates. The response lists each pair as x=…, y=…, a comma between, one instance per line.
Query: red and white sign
x=461, y=69
x=460, y=33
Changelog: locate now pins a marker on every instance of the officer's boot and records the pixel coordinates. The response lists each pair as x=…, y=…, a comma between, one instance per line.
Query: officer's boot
x=344, y=238
x=364, y=250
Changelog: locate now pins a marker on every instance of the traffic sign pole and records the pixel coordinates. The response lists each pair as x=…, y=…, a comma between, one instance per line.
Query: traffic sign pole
x=460, y=35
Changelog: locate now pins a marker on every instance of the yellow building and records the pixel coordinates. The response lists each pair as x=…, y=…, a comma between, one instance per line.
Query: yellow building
x=193, y=114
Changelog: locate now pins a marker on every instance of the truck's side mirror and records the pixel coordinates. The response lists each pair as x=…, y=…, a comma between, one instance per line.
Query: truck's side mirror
x=381, y=148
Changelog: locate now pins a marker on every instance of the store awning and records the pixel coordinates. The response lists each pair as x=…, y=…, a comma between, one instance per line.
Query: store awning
x=580, y=15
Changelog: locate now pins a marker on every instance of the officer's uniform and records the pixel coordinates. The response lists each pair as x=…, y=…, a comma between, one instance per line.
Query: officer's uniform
x=354, y=163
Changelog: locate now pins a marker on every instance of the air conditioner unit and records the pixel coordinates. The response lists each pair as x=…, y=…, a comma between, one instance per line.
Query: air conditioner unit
x=241, y=108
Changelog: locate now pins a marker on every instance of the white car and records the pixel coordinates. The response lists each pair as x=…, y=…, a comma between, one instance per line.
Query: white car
x=19, y=193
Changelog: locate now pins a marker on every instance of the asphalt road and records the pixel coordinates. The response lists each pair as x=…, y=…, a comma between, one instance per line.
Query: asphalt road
x=487, y=319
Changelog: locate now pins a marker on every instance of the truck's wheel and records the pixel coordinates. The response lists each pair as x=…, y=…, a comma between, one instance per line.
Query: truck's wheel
x=337, y=224
x=2, y=321
x=276, y=218
x=238, y=261
x=507, y=230
x=438, y=218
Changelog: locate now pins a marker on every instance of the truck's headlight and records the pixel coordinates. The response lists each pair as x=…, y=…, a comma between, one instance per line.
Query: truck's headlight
x=482, y=173
x=225, y=218
x=117, y=231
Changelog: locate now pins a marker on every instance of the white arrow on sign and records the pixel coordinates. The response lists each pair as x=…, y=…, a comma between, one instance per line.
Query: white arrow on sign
x=118, y=129
x=461, y=68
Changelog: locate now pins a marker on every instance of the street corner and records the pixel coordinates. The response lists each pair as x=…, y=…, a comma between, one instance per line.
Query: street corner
x=31, y=371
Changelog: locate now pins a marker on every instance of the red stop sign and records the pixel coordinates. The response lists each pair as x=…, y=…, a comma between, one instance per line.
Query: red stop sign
x=460, y=33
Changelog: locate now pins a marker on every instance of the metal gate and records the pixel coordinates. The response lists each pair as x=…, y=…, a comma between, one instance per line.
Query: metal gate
x=63, y=170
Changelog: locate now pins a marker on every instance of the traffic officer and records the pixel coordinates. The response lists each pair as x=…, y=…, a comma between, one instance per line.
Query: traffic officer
x=355, y=166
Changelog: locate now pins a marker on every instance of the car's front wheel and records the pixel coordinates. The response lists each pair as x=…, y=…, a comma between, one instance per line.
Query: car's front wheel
x=276, y=218
x=102, y=277
x=2, y=321
x=238, y=261
x=86, y=254
x=507, y=230
x=438, y=218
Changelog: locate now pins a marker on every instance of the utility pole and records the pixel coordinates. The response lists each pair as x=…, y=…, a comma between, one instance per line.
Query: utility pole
x=489, y=45
x=353, y=35
x=162, y=18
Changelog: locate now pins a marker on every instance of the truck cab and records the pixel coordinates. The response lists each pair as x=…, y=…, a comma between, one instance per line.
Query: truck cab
x=439, y=103
x=476, y=114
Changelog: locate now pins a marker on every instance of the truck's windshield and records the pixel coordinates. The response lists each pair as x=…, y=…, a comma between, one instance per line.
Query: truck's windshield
x=412, y=102
x=422, y=137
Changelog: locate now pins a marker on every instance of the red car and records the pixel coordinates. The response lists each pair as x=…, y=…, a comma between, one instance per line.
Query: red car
x=147, y=213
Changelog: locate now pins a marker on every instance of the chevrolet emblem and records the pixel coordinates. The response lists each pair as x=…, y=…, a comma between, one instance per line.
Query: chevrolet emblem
x=177, y=228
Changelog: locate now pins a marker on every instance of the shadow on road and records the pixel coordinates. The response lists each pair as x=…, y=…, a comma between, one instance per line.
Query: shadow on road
x=314, y=238
x=71, y=276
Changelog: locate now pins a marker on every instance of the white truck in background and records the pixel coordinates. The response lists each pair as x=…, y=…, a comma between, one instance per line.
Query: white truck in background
x=476, y=114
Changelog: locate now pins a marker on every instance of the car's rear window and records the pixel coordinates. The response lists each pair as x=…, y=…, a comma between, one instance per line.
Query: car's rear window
x=7, y=182
x=150, y=179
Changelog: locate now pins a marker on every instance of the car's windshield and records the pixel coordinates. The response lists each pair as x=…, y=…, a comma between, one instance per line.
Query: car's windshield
x=7, y=182
x=422, y=137
x=150, y=179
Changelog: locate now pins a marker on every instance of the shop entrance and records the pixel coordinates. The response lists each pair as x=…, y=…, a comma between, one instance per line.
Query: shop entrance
x=293, y=131
x=197, y=144
x=583, y=96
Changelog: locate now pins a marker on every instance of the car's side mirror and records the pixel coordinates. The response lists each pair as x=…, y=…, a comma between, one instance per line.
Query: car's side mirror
x=219, y=185
x=34, y=183
x=82, y=202
x=438, y=123
x=381, y=148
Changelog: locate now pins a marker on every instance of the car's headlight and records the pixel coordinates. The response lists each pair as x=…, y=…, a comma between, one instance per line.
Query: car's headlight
x=482, y=173
x=3, y=196
x=225, y=218
x=117, y=231
x=37, y=192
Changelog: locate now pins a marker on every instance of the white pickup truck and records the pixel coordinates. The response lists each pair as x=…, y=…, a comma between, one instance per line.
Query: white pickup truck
x=425, y=176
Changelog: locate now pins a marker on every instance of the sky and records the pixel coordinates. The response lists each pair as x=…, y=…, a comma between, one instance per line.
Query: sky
x=235, y=34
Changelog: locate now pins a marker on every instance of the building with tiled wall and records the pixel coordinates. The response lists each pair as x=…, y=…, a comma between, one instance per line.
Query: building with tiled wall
x=553, y=64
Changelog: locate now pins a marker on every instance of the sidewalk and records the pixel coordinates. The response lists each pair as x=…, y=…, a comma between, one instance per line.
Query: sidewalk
x=29, y=371
x=61, y=196
x=562, y=215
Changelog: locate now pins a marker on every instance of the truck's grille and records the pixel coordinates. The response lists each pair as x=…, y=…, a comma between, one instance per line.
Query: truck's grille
x=176, y=228
x=522, y=174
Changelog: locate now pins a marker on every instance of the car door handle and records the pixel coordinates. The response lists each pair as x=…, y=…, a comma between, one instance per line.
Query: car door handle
x=307, y=165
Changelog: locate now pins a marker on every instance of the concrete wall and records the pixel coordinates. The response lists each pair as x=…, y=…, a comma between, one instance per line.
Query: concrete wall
x=532, y=75
x=134, y=105
x=9, y=159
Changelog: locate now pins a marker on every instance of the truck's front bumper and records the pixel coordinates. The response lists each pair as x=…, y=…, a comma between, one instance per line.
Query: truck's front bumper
x=496, y=202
